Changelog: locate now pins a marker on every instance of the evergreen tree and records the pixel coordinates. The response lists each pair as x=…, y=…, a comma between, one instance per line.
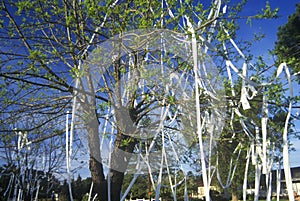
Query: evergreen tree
x=287, y=46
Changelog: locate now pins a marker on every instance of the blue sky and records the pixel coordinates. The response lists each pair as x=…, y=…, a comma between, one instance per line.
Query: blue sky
x=269, y=27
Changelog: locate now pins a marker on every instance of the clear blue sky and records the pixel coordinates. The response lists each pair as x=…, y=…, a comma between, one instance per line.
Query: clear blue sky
x=268, y=27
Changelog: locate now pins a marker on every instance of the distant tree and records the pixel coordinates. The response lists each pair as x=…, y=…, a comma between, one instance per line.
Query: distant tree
x=139, y=190
x=80, y=187
x=30, y=157
x=64, y=192
x=10, y=176
x=233, y=143
x=287, y=47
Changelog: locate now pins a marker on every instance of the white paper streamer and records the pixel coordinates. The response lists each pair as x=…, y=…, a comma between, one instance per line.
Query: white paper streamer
x=246, y=175
x=244, y=100
x=285, y=152
x=198, y=117
x=257, y=181
x=278, y=181
x=264, y=123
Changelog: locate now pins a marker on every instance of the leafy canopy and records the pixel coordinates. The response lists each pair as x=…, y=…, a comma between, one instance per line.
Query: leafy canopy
x=287, y=47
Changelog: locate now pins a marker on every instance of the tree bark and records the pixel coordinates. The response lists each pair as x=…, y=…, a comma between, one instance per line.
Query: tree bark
x=117, y=179
x=95, y=163
x=100, y=184
x=119, y=163
x=123, y=149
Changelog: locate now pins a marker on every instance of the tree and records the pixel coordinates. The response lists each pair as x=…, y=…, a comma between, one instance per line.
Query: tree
x=46, y=45
x=31, y=159
x=64, y=191
x=140, y=189
x=30, y=164
x=43, y=45
x=287, y=46
x=33, y=183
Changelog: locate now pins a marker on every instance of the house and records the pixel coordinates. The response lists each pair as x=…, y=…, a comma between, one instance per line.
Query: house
x=295, y=173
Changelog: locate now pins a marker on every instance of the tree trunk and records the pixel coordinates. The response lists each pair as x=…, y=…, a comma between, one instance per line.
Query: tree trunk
x=119, y=163
x=123, y=149
x=95, y=163
x=116, y=185
x=100, y=184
